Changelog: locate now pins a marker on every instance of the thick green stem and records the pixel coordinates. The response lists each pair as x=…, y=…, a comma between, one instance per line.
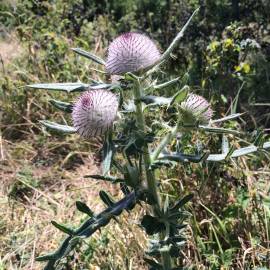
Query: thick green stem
x=150, y=177
x=164, y=142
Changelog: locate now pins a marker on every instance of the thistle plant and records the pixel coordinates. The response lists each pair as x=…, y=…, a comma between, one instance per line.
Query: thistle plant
x=132, y=151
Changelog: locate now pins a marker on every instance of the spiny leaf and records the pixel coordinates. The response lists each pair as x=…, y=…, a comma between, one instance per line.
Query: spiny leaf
x=182, y=202
x=225, y=145
x=90, y=226
x=216, y=157
x=132, y=176
x=180, y=157
x=238, y=153
x=57, y=127
x=124, y=189
x=89, y=55
x=106, y=198
x=166, y=84
x=152, y=225
x=155, y=100
x=82, y=207
x=68, y=87
x=108, y=150
x=63, y=106
x=102, y=86
x=62, y=228
x=111, y=179
x=166, y=204
x=244, y=151
x=180, y=95
x=266, y=145
x=230, y=152
x=47, y=257
x=219, y=130
x=227, y=118
x=177, y=39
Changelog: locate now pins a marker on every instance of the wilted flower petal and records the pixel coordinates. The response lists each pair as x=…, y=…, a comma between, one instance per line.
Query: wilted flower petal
x=131, y=52
x=196, y=109
x=94, y=112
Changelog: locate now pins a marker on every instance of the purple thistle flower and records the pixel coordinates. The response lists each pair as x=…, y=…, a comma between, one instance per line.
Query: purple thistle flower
x=94, y=112
x=131, y=52
x=196, y=108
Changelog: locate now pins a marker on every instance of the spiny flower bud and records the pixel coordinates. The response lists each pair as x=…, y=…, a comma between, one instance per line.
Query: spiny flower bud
x=131, y=52
x=94, y=112
x=196, y=109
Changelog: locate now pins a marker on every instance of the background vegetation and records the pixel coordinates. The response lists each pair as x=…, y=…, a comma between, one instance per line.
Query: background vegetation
x=225, y=56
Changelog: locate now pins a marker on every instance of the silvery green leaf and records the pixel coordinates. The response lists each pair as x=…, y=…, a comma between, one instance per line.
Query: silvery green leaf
x=244, y=151
x=180, y=157
x=101, y=86
x=166, y=205
x=63, y=106
x=68, y=87
x=266, y=145
x=216, y=157
x=227, y=118
x=166, y=84
x=107, y=154
x=180, y=95
x=233, y=154
x=225, y=145
x=226, y=150
x=89, y=55
x=129, y=106
x=58, y=127
x=129, y=76
x=237, y=153
x=219, y=130
x=154, y=100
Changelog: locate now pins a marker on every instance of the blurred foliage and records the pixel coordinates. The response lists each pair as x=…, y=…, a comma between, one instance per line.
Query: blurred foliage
x=225, y=55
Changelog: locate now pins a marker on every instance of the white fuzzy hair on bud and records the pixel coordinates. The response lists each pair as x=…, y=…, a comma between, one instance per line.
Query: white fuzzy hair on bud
x=94, y=112
x=131, y=52
x=196, y=108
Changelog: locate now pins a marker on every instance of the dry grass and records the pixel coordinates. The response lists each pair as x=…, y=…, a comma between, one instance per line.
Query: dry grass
x=10, y=48
x=32, y=196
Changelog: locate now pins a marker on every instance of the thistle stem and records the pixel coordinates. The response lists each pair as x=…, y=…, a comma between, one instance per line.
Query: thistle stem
x=164, y=142
x=150, y=176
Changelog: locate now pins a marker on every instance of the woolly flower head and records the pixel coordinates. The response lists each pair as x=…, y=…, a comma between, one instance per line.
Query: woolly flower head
x=131, y=52
x=94, y=112
x=196, y=109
